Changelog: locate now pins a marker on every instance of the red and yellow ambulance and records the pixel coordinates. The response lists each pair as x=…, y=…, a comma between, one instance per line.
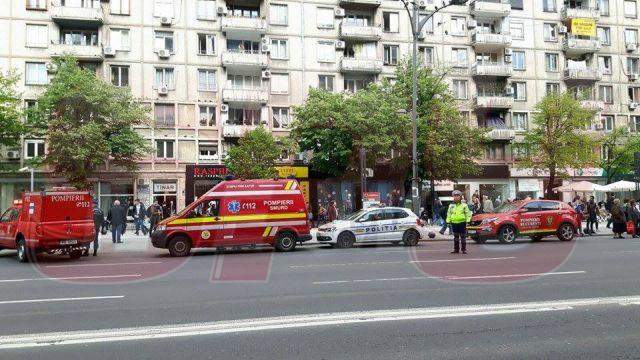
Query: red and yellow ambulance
x=238, y=213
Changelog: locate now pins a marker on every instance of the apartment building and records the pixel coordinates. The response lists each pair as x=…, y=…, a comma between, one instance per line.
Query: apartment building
x=211, y=69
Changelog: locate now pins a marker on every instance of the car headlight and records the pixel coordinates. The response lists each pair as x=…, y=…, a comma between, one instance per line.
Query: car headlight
x=489, y=220
x=161, y=227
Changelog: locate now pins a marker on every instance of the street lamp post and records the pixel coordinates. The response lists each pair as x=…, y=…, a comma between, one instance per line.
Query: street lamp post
x=416, y=27
x=30, y=170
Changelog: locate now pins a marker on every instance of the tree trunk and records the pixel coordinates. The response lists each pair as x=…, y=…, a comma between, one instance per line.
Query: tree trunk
x=552, y=181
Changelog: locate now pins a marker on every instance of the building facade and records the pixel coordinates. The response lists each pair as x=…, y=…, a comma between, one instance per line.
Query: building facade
x=211, y=69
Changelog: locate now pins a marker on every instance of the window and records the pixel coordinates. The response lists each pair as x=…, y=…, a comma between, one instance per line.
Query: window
x=252, y=12
x=519, y=91
x=120, y=75
x=164, y=149
x=79, y=37
x=605, y=94
x=517, y=60
x=551, y=87
x=164, y=77
x=279, y=49
x=279, y=14
x=243, y=46
x=460, y=89
x=207, y=151
x=549, y=206
x=607, y=122
x=326, y=51
x=206, y=44
x=358, y=20
x=604, y=34
x=605, y=152
x=634, y=124
x=520, y=121
x=517, y=4
x=551, y=62
x=120, y=7
x=459, y=57
x=164, y=40
x=120, y=39
x=325, y=82
x=426, y=54
x=30, y=106
x=165, y=115
x=35, y=74
x=392, y=214
x=33, y=148
x=238, y=116
x=36, y=4
x=634, y=94
x=632, y=65
x=37, y=35
x=603, y=5
x=494, y=152
x=428, y=26
x=206, y=80
x=390, y=22
x=324, y=18
x=458, y=25
x=281, y=117
x=630, y=36
x=391, y=54
x=237, y=81
x=280, y=83
x=550, y=32
x=630, y=9
x=549, y=5
x=207, y=115
x=353, y=85
x=517, y=31
x=207, y=10
x=604, y=64
x=163, y=8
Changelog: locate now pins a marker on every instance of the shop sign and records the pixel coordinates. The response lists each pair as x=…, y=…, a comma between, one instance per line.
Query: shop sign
x=529, y=185
x=372, y=196
x=443, y=185
x=165, y=187
x=209, y=172
x=529, y=172
x=298, y=172
x=583, y=27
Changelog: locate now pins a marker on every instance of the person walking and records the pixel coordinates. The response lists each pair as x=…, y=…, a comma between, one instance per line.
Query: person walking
x=592, y=215
x=618, y=219
x=633, y=215
x=139, y=215
x=458, y=215
x=443, y=219
x=155, y=215
x=607, y=206
x=332, y=212
x=98, y=219
x=578, y=206
x=117, y=217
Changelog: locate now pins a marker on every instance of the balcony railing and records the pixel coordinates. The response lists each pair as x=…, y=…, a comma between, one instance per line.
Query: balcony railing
x=354, y=65
x=245, y=24
x=594, y=105
x=583, y=13
x=361, y=3
x=577, y=46
x=81, y=52
x=494, y=101
x=490, y=41
x=233, y=130
x=586, y=74
x=359, y=32
x=490, y=9
x=492, y=69
x=502, y=134
x=244, y=58
x=248, y=95
x=77, y=15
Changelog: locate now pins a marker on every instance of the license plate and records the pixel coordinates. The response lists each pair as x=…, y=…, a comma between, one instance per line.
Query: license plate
x=68, y=242
x=471, y=232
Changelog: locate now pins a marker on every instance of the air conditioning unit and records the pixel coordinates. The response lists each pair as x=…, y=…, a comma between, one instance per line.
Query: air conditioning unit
x=265, y=48
x=163, y=90
x=633, y=77
x=339, y=12
x=562, y=30
x=633, y=105
x=166, y=21
x=507, y=58
x=51, y=67
x=472, y=24
x=266, y=74
x=631, y=47
x=13, y=154
x=508, y=52
x=109, y=51
x=265, y=40
x=340, y=44
x=224, y=108
x=164, y=53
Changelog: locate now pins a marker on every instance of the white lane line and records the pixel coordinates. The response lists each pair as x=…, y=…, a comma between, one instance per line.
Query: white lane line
x=402, y=262
x=60, y=299
x=105, y=264
x=299, y=321
x=71, y=278
x=513, y=275
x=448, y=277
x=622, y=252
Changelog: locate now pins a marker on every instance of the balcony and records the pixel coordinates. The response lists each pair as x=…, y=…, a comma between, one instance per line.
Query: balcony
x=582, y=74
x=501, y=134
x=361, y=66
x=494, y=102
x=489, y=42
x=360, y=4
x=360, y=33
x=580, y=13
x=249, y=95
x=81, y=52
x=243, y=26
x=236, y=131
x=575, y=46
x=491, y=69
x=77, y=16
x=487, y=9
x=244, y=59
x=593, y=105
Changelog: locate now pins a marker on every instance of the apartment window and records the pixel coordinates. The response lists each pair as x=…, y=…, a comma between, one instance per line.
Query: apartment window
x=517, y=60
x=326, y=51
x=549, y=5
x=279, y=49
x=632, y=65
x=207, y=151
x=164, y=40
x=165, y=115
x=280, y=83
x=238, y=116
x=634, y=124
x=494, y=152
x=458, y=25
x=630, y=9
x=206, y=10
x=325, y=82
x=164, y=149
x=517, y=30
x=35, y=74
x=243, y=46
x=30, y=107
x=281, y=117
x=550, y=32
x=428, y=26
x=252, y=12
x=459, y=57
x=36, y=4
x=206, y=44
x=390, y=21
x=207, y=115
x=604, y=64
x=120, y=7
x=631, y=36
x=165, y=77
x=391, y=54
x=551, y=62
x=603, y=5
x=604, y=34
x=324, y=18
x=460, y=89
x=358, y=20
x=605, y=94
x=33, y=148
x=426, y=54
x=244, y=81
x=120, y=75
x=607, y=122
x=279, y=14
x=551, y=87
x=37, y=35
x=520, y=121
x=120, y=39
x=353, y=85
x=519, y=91
x=79, y=37
x=163, y=8
x=206, y=80
x=634, y=94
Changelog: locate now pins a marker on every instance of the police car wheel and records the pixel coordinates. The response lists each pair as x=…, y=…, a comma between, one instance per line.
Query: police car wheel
x=507, y=235
x=410, y=238
x=179, y=246
x=23, y=251
x=566, y=232
x=345, y=240
x=285, y=242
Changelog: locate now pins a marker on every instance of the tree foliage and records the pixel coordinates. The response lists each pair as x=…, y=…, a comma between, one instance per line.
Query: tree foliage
x=11, y=125
x=87, y=122
x=619, y=146
x=256, y=154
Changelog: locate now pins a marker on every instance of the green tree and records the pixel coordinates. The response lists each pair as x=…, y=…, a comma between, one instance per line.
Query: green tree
x=619, y=145
x=11, y=125
x=256, y=154
x=557, y=140
x=88, y=122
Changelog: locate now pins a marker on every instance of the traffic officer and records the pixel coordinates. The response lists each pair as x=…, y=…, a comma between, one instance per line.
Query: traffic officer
x=458, y=215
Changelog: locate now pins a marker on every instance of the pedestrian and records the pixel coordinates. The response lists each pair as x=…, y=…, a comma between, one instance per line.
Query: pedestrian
x=155, y=215
x=443, y=219
x=618, y=219
x=322, y=215
x=436, y=211
x=633, y=215
x=487, y=205
x=458, y=215
x=578, y=206
x=607, y=206
x=310, y=215
x=332, y=212
x=98, y=219
x=116, y=216
x=592, y=215
x=139, y=215
x=476, y=206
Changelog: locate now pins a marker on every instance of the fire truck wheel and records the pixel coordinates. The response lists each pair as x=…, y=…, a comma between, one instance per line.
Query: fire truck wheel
x=285, y=242
x=179, y=246
x=345, y=240
x=75, y=254
x=410, y=238
x=24, y=253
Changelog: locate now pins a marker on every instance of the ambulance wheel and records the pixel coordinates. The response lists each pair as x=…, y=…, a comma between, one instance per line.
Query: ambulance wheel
x=75, y=254
x=410, y=238
x=24, y=253
x=345, y=240
x=566, y=232
x=179, y=246
x=285, y=242
x=507, y=234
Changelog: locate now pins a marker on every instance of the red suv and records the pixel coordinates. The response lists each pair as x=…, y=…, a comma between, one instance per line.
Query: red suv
x=533, y=218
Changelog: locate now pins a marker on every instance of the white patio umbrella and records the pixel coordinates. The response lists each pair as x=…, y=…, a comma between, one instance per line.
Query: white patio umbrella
x=579, y=186
x=621, y=185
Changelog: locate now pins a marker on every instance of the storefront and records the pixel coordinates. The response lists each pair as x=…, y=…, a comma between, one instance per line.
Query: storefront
x=493, y=181
x=532, y=183
x=165, y=192
x=108, y=191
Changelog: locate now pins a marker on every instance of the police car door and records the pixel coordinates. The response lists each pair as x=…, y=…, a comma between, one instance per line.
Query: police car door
x=396, y=221
x=368, y=226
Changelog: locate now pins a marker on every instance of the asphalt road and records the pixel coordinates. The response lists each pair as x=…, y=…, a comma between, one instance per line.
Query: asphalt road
x=531, y=300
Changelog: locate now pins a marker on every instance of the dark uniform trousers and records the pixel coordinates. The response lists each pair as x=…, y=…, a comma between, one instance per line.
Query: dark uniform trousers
x=459, y=236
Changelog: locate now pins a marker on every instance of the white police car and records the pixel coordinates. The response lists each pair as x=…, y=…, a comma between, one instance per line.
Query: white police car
x=375, y=224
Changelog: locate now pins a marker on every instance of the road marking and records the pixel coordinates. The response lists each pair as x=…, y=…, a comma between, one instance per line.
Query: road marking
x=71, y=278
x=60, y=299
x=513, y=275
x=402, y=262
x=470, y=259
x=105, y=264
x=622, y=252
x=299, y=321
x=447, y=277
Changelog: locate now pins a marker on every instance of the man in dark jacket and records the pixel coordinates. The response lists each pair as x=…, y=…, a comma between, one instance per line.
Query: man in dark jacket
x=592, y=215
x=607, y=206
x=139, y=214
x=98, y=219
x=117, y=217
x=155, y=215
